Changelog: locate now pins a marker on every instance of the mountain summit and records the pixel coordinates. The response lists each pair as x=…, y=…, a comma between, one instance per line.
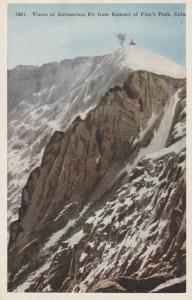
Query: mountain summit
x=137, y=58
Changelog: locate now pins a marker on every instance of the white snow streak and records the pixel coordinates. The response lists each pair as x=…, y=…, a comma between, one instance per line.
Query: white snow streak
x=76, y=238
x=160, y=136
x=141, y=59
x=57, y=235
x=169, y=283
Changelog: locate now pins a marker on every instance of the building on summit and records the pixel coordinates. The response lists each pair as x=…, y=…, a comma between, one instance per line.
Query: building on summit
x=132, y=42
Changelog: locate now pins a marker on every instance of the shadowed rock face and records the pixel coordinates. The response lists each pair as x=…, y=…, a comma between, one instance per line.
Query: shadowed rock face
x=79, y=223
x=44, y=99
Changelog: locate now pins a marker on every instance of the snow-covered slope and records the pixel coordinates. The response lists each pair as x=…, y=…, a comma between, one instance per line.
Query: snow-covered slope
x=44, y=99
x=137, y=58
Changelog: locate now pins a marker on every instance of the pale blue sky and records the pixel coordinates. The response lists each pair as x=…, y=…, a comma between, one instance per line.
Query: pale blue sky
x=38, y=40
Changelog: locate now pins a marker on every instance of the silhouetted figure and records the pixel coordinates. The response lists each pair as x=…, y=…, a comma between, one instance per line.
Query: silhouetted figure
x=132, y=42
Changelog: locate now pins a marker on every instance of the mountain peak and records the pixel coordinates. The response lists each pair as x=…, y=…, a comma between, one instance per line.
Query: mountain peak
x=137, y=58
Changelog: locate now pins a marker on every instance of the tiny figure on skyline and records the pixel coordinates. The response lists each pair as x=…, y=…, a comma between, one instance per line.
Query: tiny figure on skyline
x=132, y=42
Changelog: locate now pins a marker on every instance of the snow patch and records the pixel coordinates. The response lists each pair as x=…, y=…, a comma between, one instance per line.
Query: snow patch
x=76, y=238
x=137, y=58
x=26, y=284
x=169, y=283
x=57, y=235
x=176, y=148
x=83, y=256
x=161, y=135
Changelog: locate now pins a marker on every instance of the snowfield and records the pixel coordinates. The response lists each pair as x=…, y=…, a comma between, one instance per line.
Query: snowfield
x=137, y=58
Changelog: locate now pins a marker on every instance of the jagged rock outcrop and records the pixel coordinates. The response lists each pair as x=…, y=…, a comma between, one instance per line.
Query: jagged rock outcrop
x=81, y=227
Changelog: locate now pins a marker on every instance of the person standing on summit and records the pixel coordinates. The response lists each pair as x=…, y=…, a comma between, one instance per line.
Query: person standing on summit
x=132, y=42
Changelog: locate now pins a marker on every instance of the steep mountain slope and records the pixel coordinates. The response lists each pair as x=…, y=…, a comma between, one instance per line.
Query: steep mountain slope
x=48, y=98
x=105, y=210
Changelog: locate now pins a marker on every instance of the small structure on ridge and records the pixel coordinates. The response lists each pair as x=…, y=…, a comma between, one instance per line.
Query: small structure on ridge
x=132, y=42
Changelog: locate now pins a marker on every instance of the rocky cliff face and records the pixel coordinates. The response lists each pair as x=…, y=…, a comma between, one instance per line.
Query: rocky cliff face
x=105, y=210
x=42, y=100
